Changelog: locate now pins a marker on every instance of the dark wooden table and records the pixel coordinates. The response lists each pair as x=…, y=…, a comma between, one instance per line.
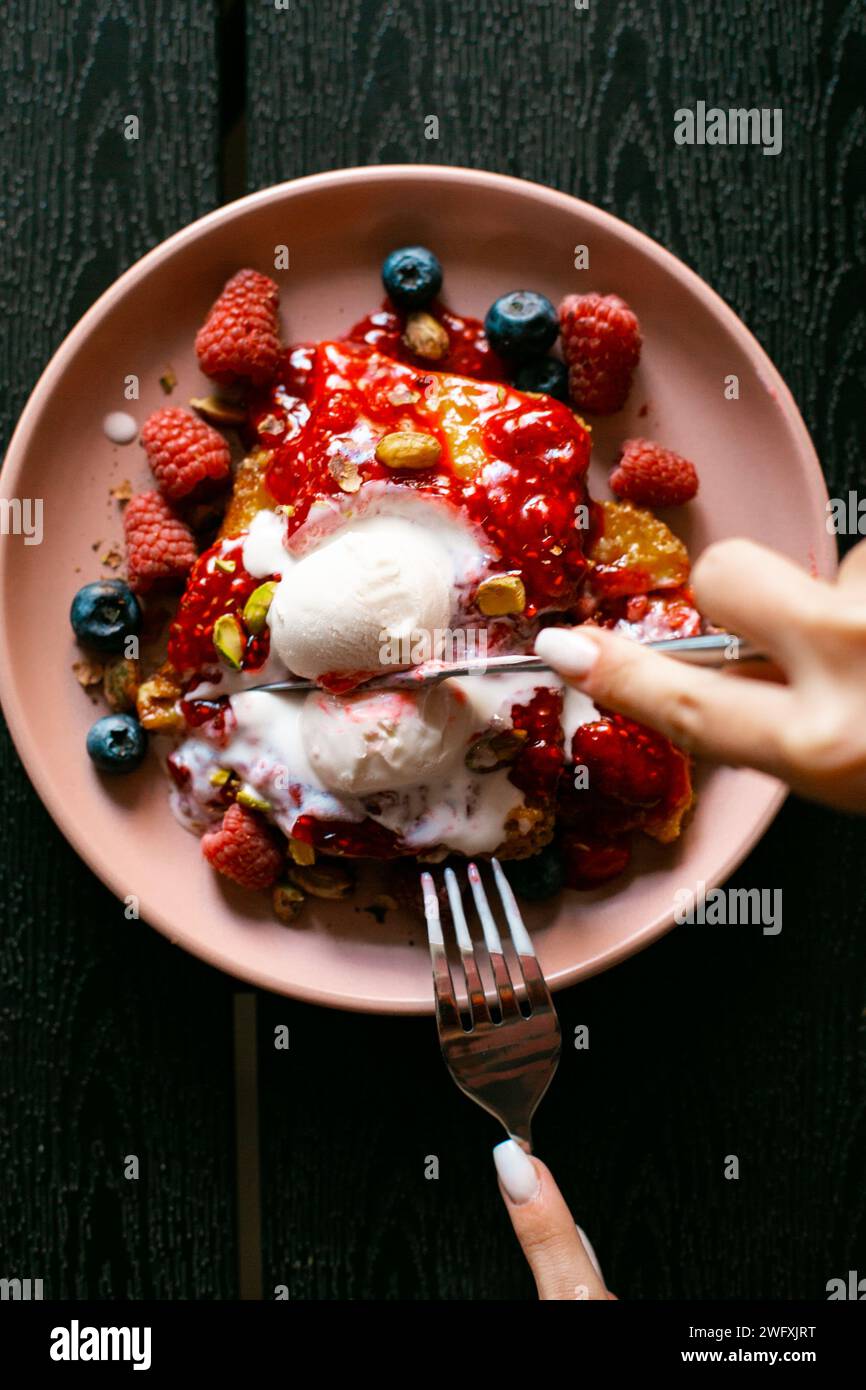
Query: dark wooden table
x=711, y=1043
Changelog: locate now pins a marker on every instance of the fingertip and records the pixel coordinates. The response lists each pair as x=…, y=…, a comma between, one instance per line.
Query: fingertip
x=567, y=650
x=517, y=1173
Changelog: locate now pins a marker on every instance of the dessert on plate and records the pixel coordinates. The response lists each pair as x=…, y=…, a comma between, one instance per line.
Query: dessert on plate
x=411, y=493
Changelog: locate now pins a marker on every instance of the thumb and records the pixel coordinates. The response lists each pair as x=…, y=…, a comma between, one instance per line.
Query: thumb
x=562, y=1265
x=704, y=712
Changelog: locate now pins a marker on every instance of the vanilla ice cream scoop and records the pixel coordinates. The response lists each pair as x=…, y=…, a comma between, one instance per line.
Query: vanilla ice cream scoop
x=382, y=740
x=360, y=600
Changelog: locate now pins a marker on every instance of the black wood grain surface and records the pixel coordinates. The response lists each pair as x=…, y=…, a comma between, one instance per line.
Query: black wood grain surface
x=111, y=1043
x=710, y=1044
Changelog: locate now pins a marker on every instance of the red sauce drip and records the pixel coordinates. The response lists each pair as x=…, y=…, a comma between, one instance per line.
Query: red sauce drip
x=538, y=766
x=365, y=839
x=469, y=353
x=211, y=712
x=342, y=682
x=180, y=773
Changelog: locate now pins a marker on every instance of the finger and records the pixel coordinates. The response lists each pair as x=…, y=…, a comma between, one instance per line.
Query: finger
x=730, y=721
x=750, y=590
x=557, y=1256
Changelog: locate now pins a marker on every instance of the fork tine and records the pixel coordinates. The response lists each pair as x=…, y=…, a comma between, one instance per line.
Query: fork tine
x=504, y=986
x=446, y=1003
x=536, y=985
x=478, y=1006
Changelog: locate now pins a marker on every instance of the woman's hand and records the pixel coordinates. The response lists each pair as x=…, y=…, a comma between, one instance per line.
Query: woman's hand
x=811, y=731
x=559, y=1254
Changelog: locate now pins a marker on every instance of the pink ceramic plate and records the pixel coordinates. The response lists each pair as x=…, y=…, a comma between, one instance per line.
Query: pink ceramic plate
x=759, y=477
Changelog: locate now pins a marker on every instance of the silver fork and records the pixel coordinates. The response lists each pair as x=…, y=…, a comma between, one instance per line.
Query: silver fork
x=504, y=1064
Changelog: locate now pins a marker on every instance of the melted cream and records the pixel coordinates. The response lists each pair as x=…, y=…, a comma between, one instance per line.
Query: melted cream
x=271, y=743
x=465, y=810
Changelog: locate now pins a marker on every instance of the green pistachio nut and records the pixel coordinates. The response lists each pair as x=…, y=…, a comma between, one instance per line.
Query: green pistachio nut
x=229, y=640
x=330, y=881
x=247, y=797
x=288, y=901
x=257, y=605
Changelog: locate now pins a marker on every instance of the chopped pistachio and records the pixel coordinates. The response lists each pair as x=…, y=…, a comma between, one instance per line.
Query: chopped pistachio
x=219, y=776
x=403, y=395
x=301, y=852
x=495, y=750
x=501, y=594
x=406, y=449
x=120, y=683
x=257, y=605
x=329, y=881
x=247, y=797
x=229, y=640
x=218, y=411
x=227, y=566
x=270, y=425
x=88, y=672
x=345, y=472
x=287, y=901
x=156, y=705
x=425, y=336
x=168, y=381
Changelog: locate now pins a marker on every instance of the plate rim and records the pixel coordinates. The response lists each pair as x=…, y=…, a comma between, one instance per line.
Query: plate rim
x=826, y=561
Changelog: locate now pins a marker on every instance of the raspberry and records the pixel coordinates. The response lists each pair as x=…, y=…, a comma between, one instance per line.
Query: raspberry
x=160, y=547
x=625, y=761
x=187, y=457
x=601, y=344
x=240, y=336
x=244, y=848
x=651, y=476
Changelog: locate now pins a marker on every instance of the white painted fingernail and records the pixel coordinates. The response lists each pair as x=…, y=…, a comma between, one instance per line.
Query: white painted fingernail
x=516, y=1171
x=566, y=650
x=589, y=1250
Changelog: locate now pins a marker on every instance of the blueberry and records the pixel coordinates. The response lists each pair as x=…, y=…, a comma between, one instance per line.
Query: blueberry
x=412, y=277
x=546, y=374
x=117, y=743
x=521, y=325
x=538, y=877
x=104, y=614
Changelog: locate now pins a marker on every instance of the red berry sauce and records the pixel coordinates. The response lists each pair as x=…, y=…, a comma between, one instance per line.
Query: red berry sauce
x=524, y=487
x=516, y=466
x=588, y=861
x=538, y=766
x=469, y=353
x=653, y=617
x=365, y=839
x=210, y=592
